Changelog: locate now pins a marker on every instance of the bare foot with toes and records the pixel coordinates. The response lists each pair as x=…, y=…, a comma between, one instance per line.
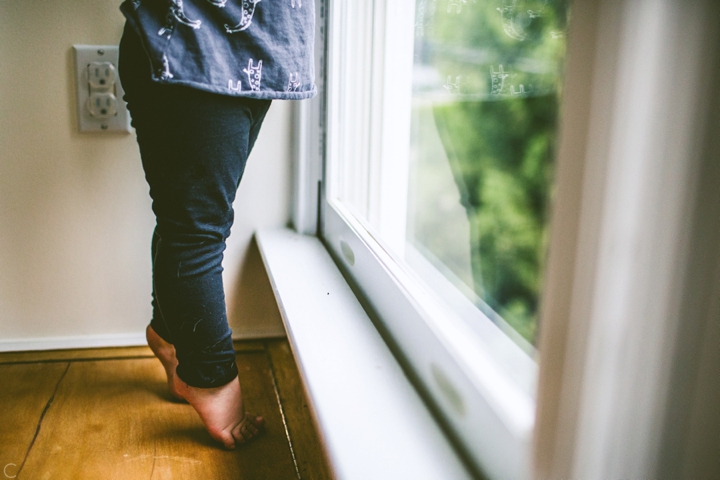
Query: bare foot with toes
x=165, y=352
x=221, y=411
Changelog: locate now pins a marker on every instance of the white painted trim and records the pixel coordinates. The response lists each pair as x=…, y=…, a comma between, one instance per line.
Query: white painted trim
x=104, y=341
x=480, y=380
x=477, y=392
x=77, y=341
x=372, y=421
x=394, y=45
x=308, y=131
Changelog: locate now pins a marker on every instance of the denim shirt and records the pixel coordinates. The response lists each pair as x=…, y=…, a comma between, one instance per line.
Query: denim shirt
x=251, y=48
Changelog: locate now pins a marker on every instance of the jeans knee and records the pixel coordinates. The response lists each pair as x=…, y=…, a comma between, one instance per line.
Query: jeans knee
x=189, y=253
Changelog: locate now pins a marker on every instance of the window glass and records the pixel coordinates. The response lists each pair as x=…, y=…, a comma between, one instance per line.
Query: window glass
x=485, y=91
x=441, y=129
x=461, y=196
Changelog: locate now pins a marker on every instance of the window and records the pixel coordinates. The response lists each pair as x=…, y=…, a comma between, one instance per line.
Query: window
x=630, y=305
x=441, y=128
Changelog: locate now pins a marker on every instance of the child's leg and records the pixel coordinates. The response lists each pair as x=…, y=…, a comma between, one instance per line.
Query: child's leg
x=194, y=146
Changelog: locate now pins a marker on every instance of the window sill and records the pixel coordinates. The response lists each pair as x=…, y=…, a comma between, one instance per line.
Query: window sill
x=371, y=420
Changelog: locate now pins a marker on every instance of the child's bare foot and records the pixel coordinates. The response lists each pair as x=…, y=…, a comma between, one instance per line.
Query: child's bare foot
x=221, y=411
x=165, y=352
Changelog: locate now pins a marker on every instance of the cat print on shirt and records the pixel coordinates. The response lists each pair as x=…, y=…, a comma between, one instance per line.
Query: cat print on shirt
x=164, y=72
x=248, y=10
x=293, y=83
x=254, y=75
x=297, y=2
x=178, y=12
x=234, y=88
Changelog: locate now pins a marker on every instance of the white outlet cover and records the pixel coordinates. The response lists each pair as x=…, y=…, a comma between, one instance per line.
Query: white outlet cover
x=84, y=56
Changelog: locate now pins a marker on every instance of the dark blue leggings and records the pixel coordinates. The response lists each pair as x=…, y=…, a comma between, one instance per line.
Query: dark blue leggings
x=194, y=146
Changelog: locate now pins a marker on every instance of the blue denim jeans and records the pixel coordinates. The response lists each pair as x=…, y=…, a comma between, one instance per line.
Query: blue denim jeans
x=194, y=146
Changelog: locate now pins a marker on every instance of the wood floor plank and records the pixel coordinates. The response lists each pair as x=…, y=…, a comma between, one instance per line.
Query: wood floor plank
x=266, y=458
x=26, y=390
x=113, y=419
x=97, y=426
x=308, y=449
x=270, y=457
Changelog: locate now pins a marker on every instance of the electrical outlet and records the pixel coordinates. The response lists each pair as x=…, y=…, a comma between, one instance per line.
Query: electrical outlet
x=100, y=107
x=100, y=75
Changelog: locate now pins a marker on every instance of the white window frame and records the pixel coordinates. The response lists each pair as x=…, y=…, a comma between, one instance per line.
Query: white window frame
x=597, y=417
x=480, y=382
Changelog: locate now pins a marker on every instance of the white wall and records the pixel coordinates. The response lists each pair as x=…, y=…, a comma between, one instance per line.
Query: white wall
x=75, y=218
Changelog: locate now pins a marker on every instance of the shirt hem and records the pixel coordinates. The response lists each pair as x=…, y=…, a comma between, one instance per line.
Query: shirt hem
x=260, y=95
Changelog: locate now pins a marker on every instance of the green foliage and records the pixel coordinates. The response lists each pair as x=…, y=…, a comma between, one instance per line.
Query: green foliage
x=500, y=144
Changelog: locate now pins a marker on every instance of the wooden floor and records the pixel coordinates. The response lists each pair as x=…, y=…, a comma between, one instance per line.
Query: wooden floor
x=106, y=414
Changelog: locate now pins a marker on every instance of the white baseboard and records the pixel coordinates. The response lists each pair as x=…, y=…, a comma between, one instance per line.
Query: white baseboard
x=110, y=340
x=78, y=341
